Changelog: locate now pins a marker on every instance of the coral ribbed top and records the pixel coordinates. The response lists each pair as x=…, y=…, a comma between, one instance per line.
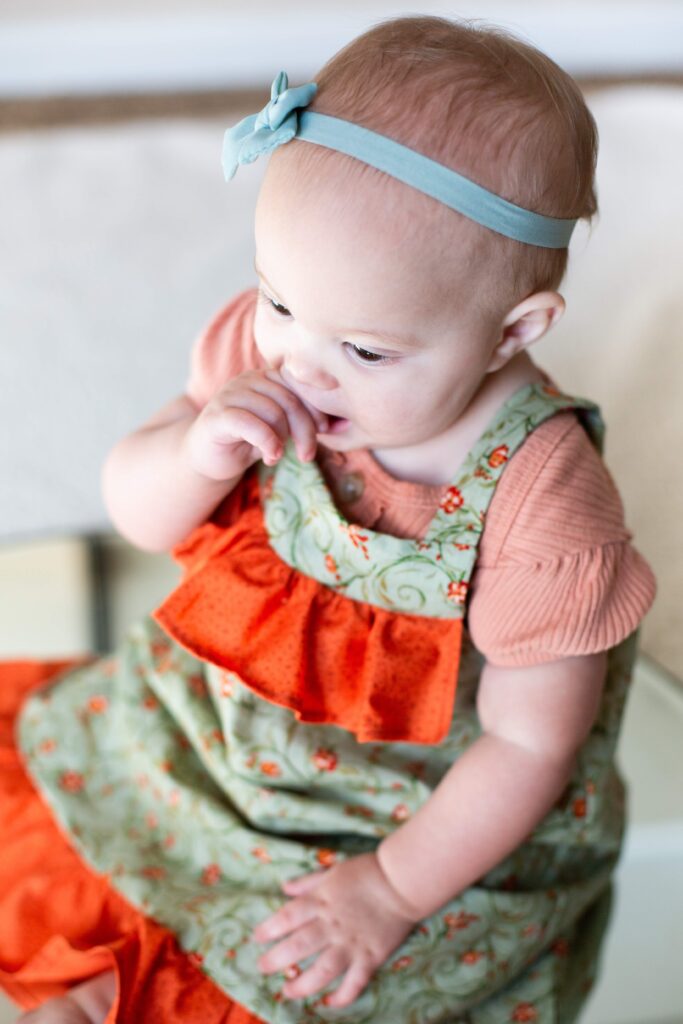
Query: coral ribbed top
x=556, y=574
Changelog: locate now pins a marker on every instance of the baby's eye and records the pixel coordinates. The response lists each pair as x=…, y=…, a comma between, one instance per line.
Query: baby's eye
x=279, y=309
x=365, y=356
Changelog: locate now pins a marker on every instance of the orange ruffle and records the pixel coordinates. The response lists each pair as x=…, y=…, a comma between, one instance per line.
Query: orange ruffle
x=305, y=646
x=61, y=923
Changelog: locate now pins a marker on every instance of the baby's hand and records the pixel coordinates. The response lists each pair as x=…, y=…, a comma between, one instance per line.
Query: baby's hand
x=350, y=914
x=250, y=419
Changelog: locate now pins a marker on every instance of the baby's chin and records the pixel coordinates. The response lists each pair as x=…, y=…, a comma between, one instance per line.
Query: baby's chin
x=347, y=436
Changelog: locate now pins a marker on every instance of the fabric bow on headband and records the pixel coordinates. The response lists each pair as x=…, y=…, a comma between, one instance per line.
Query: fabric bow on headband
x=284, y=118
x=275, y=124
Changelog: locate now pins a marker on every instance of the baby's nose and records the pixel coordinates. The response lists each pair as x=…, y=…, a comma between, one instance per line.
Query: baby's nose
x=304, y=372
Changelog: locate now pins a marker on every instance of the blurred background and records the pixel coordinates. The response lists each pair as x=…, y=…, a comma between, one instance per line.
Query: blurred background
x=119, y=240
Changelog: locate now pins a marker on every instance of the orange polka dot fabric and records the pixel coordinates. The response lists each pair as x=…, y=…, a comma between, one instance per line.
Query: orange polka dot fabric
x=301, y=644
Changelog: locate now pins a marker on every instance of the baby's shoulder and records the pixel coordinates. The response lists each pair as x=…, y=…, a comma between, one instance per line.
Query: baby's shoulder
x=555, y=496
x=224, y=348
x=556, y=574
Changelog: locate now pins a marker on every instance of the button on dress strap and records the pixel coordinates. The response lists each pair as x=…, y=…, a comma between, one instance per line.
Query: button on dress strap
x=351, y=486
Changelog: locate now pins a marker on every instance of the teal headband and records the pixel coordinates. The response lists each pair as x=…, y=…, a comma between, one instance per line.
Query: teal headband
x=279, y=122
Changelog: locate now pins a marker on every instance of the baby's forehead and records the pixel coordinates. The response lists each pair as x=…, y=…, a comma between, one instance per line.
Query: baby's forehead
x=346, y=220
x=307, y=183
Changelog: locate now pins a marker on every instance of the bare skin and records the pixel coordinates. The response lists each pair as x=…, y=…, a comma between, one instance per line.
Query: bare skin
x=87, y=1003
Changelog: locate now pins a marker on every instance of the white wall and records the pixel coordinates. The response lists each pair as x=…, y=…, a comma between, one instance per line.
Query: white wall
x=75, y=47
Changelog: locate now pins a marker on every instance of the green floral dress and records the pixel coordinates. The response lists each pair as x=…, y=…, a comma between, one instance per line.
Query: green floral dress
x=198, y=796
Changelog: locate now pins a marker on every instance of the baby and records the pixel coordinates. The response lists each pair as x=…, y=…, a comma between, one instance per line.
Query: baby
x=368, y=741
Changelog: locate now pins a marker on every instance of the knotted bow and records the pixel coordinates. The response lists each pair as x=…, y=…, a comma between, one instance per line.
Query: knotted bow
x=277, y=123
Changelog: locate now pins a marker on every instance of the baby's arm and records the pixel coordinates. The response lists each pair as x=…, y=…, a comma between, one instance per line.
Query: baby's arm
x=534, y=720
x=153, y=494
x=166, y=478
x=357, y=912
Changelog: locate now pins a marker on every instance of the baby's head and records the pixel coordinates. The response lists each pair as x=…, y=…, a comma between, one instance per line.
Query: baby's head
x=399, y=306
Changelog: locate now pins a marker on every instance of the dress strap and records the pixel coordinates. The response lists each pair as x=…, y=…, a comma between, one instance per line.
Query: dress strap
x=456, y=528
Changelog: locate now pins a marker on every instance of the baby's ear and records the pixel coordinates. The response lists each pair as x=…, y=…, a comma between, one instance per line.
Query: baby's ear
x=525, y=324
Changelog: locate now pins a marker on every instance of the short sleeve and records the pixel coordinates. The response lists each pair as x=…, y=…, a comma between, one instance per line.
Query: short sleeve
x=557, y=574
x=224, y=349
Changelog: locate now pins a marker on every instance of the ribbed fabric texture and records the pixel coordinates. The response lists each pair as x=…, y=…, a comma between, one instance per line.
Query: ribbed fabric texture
x=556, y=574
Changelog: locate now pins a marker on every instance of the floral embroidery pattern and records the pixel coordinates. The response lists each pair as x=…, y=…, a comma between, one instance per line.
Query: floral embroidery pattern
x=456, y=922
x=97, y=705
x=211, y=874
x=358, y=539
x=325, y=760
x=524, y=1012
x=452, y=501
x=498, y=456
x=457, y=592
x=71, y=782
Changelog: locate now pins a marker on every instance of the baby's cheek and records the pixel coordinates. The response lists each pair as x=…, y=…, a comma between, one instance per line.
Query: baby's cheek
x=265, y=343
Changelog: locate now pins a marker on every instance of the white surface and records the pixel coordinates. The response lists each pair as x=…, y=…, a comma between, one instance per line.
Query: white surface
x=192, y=48
x=641, y=979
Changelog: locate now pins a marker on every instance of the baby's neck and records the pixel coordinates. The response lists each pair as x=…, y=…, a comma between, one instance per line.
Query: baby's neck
x=436, y=461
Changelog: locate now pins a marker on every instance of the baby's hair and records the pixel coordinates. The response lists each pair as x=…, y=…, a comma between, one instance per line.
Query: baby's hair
x=485, y=103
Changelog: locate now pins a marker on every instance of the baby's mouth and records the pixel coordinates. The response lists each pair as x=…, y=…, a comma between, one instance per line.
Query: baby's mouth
x=336, y=424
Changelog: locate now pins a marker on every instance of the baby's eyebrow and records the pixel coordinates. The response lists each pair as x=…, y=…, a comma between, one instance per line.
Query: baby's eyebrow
x=409, y=341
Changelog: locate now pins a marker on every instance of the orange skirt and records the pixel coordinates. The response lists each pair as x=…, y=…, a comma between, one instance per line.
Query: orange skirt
x=61, y=923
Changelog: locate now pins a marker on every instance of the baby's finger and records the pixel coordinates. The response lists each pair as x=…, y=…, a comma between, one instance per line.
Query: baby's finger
x=319, y=418
x=305, y=420
x=245, y=425
x=296, y=886
x=328, y=966
x=292, y=915
x=264, y=405
x=298, y=946
x=351, y=986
